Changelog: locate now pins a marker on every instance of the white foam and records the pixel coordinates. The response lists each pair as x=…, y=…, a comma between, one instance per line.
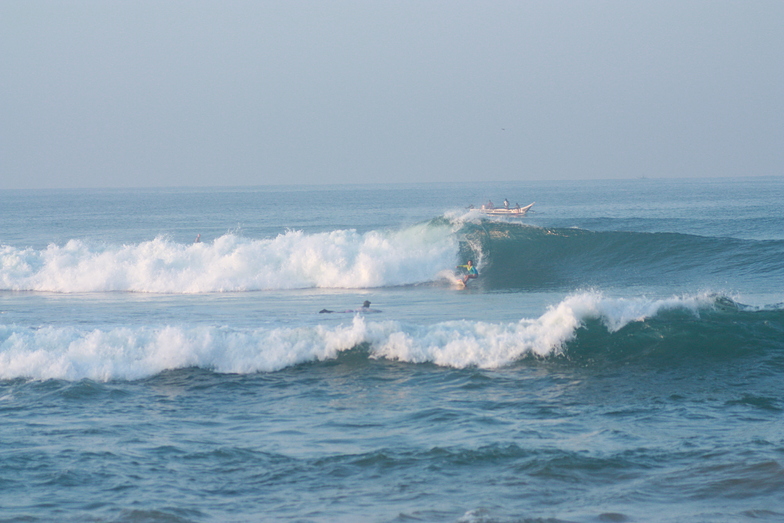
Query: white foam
x=129, y=353
x=491, y=345
x=336, y=259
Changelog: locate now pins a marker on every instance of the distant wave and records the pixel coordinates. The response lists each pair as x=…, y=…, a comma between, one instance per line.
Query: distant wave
x=583, y=328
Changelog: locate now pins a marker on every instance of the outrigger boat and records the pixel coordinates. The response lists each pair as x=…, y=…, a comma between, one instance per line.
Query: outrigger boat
x=516, y=212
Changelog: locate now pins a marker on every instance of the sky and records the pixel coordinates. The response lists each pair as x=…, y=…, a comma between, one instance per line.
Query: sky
x=230, y=93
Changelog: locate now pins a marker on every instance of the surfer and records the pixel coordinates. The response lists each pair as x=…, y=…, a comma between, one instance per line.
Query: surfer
x=471, y=272
x=365, y=308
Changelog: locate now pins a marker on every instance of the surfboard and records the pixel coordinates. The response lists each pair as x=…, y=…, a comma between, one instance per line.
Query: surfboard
x=448, y=277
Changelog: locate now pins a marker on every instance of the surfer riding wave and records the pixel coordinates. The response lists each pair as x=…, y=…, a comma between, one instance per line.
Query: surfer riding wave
x=471, y=272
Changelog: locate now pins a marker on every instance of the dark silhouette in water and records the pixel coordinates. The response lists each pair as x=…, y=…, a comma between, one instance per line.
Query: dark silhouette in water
x=365, y=308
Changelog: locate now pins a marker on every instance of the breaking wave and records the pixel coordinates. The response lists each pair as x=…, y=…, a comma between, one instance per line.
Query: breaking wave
x=509, y=256
x=584, y=328
x=292, y=260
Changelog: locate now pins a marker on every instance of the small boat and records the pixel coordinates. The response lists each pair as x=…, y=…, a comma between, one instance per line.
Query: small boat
x=515, y=212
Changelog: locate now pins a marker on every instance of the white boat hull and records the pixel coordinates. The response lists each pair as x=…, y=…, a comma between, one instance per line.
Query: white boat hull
x=519, y=212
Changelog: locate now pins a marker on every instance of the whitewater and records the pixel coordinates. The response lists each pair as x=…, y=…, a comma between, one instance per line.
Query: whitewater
x=291, y=260
x=620, y=355
x=130, y=353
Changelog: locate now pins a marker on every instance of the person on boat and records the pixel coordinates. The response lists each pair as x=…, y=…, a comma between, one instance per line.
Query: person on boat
x=471, y=272
x=506, y=203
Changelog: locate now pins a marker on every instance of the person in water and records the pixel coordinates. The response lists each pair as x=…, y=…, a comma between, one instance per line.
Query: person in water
x=471, y=272
x=365, y=308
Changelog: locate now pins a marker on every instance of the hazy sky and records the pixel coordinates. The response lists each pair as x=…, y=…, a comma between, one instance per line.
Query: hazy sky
x=191, y=93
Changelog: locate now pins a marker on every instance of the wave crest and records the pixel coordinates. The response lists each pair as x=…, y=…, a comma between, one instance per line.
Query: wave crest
x=578, y=327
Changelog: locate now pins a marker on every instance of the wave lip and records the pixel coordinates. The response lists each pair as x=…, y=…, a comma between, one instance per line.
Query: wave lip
x=130, y=353
x=292, y=260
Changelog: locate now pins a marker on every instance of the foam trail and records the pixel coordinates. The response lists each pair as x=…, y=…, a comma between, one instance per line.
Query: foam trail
x=128, y=353
x=336, y=259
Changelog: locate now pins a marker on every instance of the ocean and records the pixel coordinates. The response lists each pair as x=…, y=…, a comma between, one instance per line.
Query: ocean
x=619, y=358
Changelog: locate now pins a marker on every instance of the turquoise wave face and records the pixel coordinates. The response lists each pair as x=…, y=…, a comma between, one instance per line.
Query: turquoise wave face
x=679, y=339
x=514, y=256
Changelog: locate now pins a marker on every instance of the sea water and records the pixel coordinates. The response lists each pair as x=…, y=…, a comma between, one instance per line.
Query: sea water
x=619, y=358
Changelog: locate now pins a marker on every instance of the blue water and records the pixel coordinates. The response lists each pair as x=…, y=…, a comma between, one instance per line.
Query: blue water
x=620, y=357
